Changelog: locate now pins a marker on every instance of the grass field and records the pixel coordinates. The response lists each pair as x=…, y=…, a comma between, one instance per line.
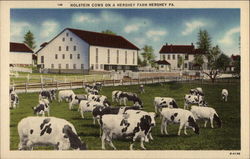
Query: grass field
x=225, y=138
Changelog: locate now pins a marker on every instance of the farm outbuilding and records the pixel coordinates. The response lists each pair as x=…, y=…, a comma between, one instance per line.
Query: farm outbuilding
x=78, y=51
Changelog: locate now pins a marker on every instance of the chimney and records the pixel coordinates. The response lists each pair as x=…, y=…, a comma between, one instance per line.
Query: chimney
x=166, y=44
x=192, y=44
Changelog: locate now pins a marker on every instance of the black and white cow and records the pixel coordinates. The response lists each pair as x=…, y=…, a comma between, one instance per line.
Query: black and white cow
x=194, y=100
x=224, y=94
x=206, y=114
x=164, y=102
x=115, y=126
x=48, y=94
x=99, y=98
x=44, y=131
x=178, y=116
x=42, y=108
x=123, y=97
x=65, y=95
x=196, y=91
x=76, y=99
x=14, y=100
x=115, y=95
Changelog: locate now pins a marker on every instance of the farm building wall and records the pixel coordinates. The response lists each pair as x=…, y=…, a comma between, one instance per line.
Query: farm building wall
x=20, y=58
x=66, y=51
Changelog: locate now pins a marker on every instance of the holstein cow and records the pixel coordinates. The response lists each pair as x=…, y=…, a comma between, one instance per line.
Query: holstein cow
x=48, y=94
x=178, y=116
x=131, y=112
x=197, y=91
x=115, y=95
x=123, y=97
x=40, y=131
x=14, y=99
x=99, y=98
x=115, y=126
x=193, y=99
x=224, y=94
x=206, y=114
x=42, y=108
x=65, y=95
x=76, y=99
x=164, y=102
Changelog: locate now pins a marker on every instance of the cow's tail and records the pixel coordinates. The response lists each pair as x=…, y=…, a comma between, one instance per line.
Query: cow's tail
x=217, y=120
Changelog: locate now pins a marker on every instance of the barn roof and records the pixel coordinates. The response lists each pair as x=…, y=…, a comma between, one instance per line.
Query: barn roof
x=185, y=49
x=162, y=62
x=19, y=47
x=105, y=40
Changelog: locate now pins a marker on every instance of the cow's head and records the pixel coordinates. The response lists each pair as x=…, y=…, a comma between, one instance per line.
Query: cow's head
x=192, y=123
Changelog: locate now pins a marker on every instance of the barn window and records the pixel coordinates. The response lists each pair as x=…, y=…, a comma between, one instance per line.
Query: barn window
x=67, y=48
x=70, y=56
x=42, y=59
x=63, y=39
x=56, y=56
x=52, y=65
x=185, y=65
x=82, y=66
x=108, y=56
x=96, y=56
x=74, y=66
x=96, y=66
x=163, y=57
x=60, y=48
x=67, y=66
x=74, y=48
x=59, y=66
x=117, y=56
x=71, y=39
x=63, y=56
x=168, y=57
x=173, y=57
x=67, y=34
x=78, y=56
x=126, y=57
x=186, y=57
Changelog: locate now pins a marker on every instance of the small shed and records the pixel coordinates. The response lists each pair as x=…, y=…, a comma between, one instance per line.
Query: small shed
x=163, y=65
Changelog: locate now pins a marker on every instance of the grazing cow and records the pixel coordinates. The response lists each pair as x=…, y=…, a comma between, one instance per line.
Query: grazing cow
x=178, y=116
x=14, y=99
x=53, y=93
x=224, y=94
x=76, y=99
x=115, y=96
x=65, y=94
x=128, y=96
x=162, y=102
x=197, y=91
x=193, y=99
x=88, y=106
x=46, y=94
x=42, y=108
x=99, y=98
x=131, y=112
x=115, y=126
x=41, y=131
x=98, y=86
x=92, y=91
x=206, y=113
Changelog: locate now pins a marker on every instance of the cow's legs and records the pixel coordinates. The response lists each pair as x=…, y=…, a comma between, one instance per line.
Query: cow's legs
x=109, y=139
x=181, y=126
x=134, y=138
x=82, y=114
x=94, y=120
x=142, y=145
x=211, y=121
x=103, y=140
x=164, y=126
x=205, y=124
x=48, y=112
x=150, y=136
x=29, y=145
x=185, y=129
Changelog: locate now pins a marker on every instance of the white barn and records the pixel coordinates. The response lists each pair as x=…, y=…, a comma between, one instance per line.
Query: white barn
x=20, y=54
x=171, y=53
x=77, y=51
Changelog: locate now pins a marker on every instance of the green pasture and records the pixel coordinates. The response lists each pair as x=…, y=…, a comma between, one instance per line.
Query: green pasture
x=225, y=138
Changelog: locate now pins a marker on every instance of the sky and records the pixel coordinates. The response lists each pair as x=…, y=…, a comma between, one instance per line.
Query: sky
x=154, y=27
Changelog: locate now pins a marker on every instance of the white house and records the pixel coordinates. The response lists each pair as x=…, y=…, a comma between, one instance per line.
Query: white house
x=171, y=53
x=76, y=51
x=20, y=54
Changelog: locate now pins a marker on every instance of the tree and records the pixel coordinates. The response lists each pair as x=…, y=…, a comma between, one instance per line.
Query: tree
x=107, y=31
x=222, y=62
x=148, y=55
x=180, y=62
x=236, y=65
x=29, y=40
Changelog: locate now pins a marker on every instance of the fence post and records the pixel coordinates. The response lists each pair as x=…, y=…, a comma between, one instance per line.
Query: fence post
x=41, y=85
x=28, y=78
x=152, y=79
x=113, y=82
x=26, y=87
x=82, y=84
x=56, y=85
x=41, y=78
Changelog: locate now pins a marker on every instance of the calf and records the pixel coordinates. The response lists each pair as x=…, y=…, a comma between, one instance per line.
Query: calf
x=14, y=100
x=42, y=108
x=193, y=99
x=206, y=113
x=40, y=131
x=224, y=94
x=65, y=95
x=178, y=116
x=162, y=102
x=136, y=126
x=197, y=91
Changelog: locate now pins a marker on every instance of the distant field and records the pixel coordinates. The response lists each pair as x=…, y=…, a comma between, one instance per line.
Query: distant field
x=225, y=138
